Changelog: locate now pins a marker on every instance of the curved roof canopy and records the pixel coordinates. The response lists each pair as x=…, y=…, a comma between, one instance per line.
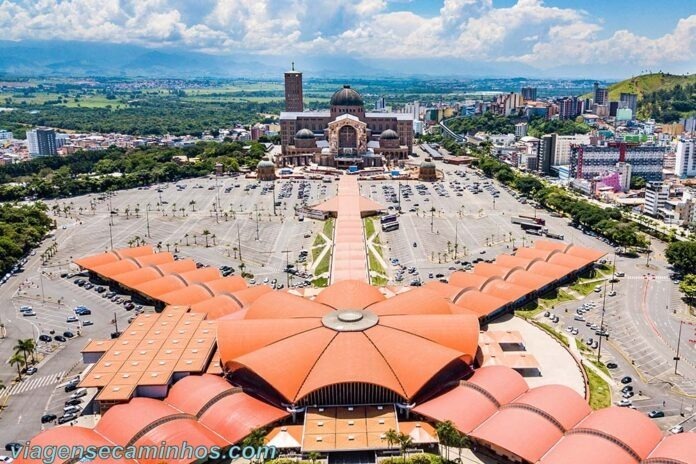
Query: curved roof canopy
x=314, y=346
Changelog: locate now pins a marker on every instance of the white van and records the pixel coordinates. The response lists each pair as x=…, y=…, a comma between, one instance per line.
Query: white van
x=79, y=393
x=579, y=318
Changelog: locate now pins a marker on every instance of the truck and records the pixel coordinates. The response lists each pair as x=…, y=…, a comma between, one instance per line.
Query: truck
x=553, y=235
x=525, y=223
x=541, y=221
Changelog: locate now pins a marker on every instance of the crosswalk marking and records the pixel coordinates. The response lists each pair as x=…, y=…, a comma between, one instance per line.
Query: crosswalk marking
x=32, y=383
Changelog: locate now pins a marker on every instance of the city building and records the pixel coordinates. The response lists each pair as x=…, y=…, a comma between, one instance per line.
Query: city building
x=427, y=171
x=656, y=196
x=588, y=162
x=345, y=135
x=685, y=162
x=381, y=104
x=520, y=129
x=547, y=153
x=293, y=90
x=265, y=170
x=613, y=108
x=629, y=101
x=506, y=104
x=529, y=93
x=600, y=94
x=569, y=107
x=5, y=135
x=42, y=142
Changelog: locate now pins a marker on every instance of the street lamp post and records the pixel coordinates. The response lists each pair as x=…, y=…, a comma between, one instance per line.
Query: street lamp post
x=147, y=219
x=111, y=236
x=601, y=324
x=676, y=358
x=613, y=272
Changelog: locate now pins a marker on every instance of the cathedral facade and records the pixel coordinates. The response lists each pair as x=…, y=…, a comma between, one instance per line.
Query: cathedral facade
x=345, y=135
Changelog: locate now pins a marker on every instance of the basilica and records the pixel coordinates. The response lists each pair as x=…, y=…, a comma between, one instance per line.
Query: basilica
x=345, y=135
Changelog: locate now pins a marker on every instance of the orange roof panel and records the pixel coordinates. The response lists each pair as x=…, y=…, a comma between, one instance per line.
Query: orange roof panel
x=349, y=294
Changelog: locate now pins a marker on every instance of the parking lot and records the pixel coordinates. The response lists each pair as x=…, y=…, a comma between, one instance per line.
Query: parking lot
x=446, y=226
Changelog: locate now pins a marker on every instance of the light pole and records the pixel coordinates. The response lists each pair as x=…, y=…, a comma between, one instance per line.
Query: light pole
x=456, y=238
x=613, y=272
x=43, y=297
x=676, y=358
x=601, y=324
x=111, y=236
x=147, y=219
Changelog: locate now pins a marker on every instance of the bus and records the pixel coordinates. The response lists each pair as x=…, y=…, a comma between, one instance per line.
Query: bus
x=387, y=219
x=390, y=226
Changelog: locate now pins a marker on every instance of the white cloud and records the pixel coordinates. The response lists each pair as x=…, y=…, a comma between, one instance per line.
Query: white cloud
x=529, y=31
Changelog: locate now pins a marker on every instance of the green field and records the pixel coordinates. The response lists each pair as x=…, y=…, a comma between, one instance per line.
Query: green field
x=600, y=393
x=646, y=83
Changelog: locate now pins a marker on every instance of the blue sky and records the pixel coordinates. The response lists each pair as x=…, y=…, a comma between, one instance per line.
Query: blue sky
x=548, y=37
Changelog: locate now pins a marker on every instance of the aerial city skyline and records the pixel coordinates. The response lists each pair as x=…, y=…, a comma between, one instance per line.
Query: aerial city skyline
x=347, y=232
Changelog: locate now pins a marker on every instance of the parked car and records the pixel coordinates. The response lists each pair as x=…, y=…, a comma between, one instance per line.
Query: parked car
x=79, y=393
x=32, y=370
x=68, y=334
x=86, y=322
x=72, y=319
x=626, y=380
x=65, y=418
x=656, y=413
x=46, y=418
x=677, y=429
x=60, y=338
x=612, y=365
x=45, y=338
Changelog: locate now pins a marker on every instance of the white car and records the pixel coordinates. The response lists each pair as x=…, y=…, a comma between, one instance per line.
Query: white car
x=625, y=402
x=677, y=429
x=6, y=459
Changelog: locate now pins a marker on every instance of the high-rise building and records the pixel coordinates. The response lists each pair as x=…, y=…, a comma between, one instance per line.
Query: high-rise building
x=520, y=129
x=547, y=150
x=685, y=164
x=380, y=104
x=42, y=142
x=613, y=108
x=588, y=162
x=5, y=135
x=569, y=107
x=656, y=195
x=630, y=101
x=293, y=91
x=529, y=93
x=601, y=94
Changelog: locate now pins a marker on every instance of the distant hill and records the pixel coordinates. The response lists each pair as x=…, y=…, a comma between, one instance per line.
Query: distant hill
x=647, y=83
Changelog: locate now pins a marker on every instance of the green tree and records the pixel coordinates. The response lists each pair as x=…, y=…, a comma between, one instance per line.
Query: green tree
x=27, y=347
x=19, y=361
x=391, y=437
x=688, y=287
x=682, y=256
x=206, y=233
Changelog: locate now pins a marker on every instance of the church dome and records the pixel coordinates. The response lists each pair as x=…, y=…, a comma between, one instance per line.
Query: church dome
x=304, y=134
x=265, y=163
x=346, y=97
x=388, y=135
x=427, y=164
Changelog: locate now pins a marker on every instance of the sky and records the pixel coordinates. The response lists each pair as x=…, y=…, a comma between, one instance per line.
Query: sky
x=636, y=35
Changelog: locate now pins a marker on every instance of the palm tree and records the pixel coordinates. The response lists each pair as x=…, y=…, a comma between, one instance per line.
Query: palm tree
x=17, y=360
x=192, y=204
x=313, y=456
x=391, y=437
x=27, y=347
x=186, y=237
x=206, y=232
x=405, y=442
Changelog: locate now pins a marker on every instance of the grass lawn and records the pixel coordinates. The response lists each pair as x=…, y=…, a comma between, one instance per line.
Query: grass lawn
x=551, y=331
x=602, y=367
x=600, y=393
x=320, y=282
x=323, y=265
x=329, y=228
x=369, y=227
x=585, y=288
